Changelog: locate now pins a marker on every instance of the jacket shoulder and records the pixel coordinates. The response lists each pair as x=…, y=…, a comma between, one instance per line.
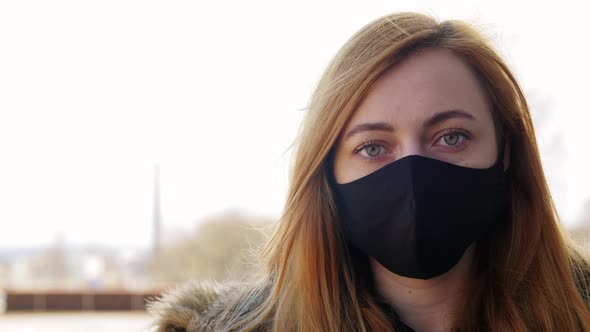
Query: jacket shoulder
x=204, y=306
x=580, y=265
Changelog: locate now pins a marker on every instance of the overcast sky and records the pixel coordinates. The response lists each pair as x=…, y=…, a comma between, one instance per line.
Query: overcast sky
x=93, y=94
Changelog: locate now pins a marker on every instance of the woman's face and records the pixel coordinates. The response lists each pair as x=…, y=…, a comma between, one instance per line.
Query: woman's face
x=431, y=104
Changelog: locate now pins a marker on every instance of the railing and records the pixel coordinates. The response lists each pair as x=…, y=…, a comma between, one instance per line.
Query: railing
x=75, y=301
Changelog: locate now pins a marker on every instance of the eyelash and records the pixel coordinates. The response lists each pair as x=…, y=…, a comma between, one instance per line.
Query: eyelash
x=452, y=131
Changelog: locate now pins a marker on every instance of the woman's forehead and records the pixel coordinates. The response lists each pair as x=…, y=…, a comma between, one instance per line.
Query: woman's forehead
x=422, y=85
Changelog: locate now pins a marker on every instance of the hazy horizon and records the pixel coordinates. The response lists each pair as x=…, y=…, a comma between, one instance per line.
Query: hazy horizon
x=94, y=94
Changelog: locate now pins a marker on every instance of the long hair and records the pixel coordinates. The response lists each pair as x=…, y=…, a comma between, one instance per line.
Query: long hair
x=529, y=275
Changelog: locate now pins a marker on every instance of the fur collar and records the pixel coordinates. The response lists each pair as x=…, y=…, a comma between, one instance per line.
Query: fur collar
x=205, y=306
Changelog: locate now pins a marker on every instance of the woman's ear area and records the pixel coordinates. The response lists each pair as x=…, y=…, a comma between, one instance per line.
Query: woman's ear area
x=329, y=165
x=331, y=159
x=506, y=154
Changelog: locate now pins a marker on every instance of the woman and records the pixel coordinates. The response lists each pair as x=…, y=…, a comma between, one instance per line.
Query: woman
x=417, y=202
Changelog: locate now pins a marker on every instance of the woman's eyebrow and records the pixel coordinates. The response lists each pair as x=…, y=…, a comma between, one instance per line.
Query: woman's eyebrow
x=386, y=127
x=369, y=126
x=446, y=115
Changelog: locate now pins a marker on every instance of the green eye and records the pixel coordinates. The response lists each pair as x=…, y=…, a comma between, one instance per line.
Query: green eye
x=373, y=151
x=451, y=139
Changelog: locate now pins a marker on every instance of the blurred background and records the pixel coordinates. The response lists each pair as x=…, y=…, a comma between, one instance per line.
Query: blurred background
x=146, y=143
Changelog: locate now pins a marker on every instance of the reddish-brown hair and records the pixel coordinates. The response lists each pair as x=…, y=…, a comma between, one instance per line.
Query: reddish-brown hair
x=529, y=279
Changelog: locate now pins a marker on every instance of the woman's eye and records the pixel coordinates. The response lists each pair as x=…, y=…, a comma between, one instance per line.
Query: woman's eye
x=370, y=150
x=453, y=138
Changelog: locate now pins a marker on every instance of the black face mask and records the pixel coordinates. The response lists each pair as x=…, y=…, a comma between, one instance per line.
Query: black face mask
x=416, y=216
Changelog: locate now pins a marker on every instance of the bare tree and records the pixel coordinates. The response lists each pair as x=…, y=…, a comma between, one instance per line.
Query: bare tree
x=219, y=249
